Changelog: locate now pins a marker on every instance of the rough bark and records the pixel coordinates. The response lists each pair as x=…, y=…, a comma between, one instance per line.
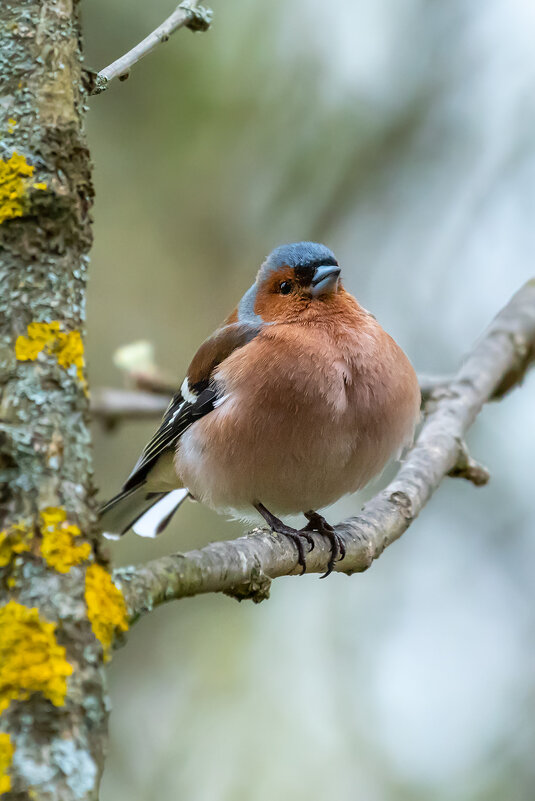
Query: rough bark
x=53, y=703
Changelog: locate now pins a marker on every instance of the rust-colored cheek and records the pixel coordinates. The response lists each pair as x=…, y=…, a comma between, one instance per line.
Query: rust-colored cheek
x=270, y=304
x=275, y=307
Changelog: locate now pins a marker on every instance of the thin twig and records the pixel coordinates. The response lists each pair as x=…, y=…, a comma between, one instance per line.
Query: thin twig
x=244, y=567
x=112, y=406
x=188, y=14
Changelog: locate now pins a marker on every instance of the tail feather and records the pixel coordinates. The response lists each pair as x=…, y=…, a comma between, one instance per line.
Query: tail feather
x=158, y=516
x=139, y=509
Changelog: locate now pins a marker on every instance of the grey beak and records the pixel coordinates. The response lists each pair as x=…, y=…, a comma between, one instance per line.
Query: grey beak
x=325, y=280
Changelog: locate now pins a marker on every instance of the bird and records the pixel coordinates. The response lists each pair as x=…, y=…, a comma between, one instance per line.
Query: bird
x=299, y=398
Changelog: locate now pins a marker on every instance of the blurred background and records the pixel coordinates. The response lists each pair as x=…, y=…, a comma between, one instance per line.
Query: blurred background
x=401, y=135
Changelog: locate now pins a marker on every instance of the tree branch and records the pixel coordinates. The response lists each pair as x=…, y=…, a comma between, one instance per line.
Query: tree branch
x=188, y=14
x=244, y=567
x=430, y=383
x=112, y=406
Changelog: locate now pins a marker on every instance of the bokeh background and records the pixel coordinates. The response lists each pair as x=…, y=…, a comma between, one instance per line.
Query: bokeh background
x=402, y=135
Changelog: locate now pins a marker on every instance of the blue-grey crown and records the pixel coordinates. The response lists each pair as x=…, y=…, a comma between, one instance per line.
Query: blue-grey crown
x=298, y=254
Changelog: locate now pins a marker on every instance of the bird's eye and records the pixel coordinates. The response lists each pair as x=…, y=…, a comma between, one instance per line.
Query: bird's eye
x=285, y=288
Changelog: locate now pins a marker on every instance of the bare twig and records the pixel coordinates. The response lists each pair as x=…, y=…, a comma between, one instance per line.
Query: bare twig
x=154, y=391
x=244, y=567
x=112, y=406
x=188, y=14
x=149, y=401
x=468, y=468
x=155, y=382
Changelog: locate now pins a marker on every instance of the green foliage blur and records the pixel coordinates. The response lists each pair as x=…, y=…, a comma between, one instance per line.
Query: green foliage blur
x=401, y=136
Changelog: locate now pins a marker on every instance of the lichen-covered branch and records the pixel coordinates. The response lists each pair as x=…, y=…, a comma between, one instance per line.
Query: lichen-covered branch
x=58, y=606
x=244, y=567
x=186, y=15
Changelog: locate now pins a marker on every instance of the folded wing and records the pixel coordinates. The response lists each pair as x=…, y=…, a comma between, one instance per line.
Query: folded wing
x=143, y=501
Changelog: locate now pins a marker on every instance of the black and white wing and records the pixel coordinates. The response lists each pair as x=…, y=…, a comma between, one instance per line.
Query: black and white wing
x=180, y=414
x=198, y=396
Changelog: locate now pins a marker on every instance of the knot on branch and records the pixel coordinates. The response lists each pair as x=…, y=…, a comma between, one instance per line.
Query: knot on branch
x=256, y=589
x=403, y=502
x=200, y=17
x=93, y=82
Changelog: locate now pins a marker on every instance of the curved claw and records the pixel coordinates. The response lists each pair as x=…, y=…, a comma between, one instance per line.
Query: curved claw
x=315, y=523
x=297, y=540
x=338, y=549
x=304, y=533
x=293, y=534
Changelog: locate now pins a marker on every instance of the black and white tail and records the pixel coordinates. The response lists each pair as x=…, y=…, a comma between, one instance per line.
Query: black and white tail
x=148, y=513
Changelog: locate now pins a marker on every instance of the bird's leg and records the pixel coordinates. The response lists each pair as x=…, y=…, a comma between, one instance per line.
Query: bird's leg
x=338, y=549
x=297, y=536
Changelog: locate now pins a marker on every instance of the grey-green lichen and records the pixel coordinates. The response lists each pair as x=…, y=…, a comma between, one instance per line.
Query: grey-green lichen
x=66, y=763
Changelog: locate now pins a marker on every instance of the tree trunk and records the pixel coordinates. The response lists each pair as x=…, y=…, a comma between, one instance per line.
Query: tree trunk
x=58, y=609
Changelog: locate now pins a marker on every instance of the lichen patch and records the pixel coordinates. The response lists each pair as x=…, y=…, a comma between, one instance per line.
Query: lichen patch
x=15, y=183
x=31, y=660
x=106, y=606
x=14, y=186
x=14, y=540
x=6, y=757
x=59, y=546
x=66, y=347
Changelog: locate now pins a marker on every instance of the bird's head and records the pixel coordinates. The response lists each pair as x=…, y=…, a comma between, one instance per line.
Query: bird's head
x=294, y=280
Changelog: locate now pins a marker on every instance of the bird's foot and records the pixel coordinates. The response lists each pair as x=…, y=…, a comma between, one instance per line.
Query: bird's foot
x=338, y=549
x=297, y=536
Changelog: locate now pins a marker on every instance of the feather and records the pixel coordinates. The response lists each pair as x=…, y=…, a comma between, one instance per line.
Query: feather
x=117, y=516
x=156, y=519
x=179, y=416
x=147, y=501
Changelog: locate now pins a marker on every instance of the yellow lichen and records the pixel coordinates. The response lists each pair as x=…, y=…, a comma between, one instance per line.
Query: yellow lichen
x=106, y=608
x=40, y=336
x=58, y=547
x=31, y=661
x=11, y=125
x=13, y=540
x=66, y=347
x=40, y=185
x=71, y=351
x=14, y=186
x=6, y=757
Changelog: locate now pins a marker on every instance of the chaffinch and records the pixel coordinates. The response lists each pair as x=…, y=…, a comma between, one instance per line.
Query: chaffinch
x=299, y=398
